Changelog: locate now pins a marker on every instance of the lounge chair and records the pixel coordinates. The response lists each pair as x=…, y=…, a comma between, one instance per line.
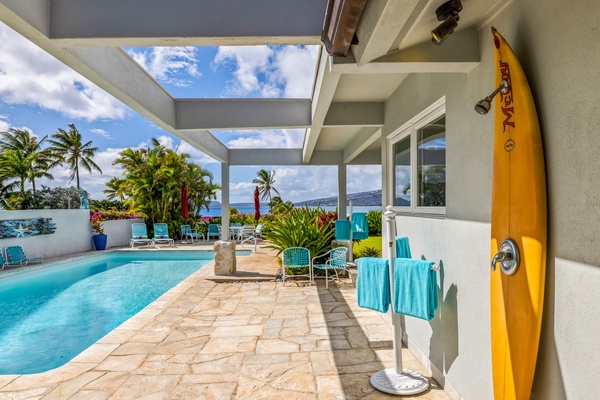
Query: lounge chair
x=247, y=235
x=294, y=258
x=235, y=231
x=139, y=234
x=15, y=255
x=161, y=234
x=3, y=261
x=213, y=230
x=188, y=233
x=335, y=261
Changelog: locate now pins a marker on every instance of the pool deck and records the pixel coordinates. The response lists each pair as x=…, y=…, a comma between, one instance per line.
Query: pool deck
x=242, y=337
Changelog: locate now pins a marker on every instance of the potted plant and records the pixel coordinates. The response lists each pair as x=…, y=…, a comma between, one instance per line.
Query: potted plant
x=99, y=237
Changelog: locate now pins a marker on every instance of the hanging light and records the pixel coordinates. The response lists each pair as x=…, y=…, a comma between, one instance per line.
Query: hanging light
x=448, y=14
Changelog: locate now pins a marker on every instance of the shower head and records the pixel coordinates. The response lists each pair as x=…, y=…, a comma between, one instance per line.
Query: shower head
x=483, y=106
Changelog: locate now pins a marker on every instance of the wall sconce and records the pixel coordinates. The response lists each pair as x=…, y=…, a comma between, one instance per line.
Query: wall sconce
x=448, y=14
x=483, y=106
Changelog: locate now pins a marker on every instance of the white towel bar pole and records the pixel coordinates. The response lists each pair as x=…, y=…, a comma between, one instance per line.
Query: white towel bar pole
x=396, y=380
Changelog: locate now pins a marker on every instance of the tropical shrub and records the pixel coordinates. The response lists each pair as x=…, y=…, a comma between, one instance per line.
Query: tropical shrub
x=374, y=217
x=98, y=217
x=302, y=227
x=367, y=252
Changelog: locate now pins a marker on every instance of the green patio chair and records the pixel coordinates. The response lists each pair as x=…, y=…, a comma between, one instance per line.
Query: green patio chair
x=161, y=234
x=213, y=231
x=188, y=233
x=139, y=234
x=334, y=260
x=16, y=255
x=296, y=258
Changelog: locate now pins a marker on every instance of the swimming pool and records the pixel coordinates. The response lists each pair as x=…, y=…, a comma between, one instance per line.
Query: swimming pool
x=50, y=314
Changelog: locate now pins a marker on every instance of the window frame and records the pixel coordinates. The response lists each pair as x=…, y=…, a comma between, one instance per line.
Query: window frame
x=425, y=117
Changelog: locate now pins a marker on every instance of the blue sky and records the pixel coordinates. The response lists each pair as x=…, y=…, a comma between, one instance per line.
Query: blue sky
x=41, y=94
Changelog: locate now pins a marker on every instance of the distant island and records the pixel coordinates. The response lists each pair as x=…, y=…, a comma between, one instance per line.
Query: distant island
x=372, y=198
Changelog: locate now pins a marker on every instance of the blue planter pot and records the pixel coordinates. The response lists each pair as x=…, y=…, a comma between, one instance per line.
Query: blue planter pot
x=99, y=242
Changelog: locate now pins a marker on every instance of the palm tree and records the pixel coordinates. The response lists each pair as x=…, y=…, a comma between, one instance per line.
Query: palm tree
x=201, y=188
x=265, y=182
x=24, y=142
x=67, y=148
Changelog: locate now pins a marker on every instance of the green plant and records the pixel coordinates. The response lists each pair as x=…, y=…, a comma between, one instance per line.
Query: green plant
x=302, y=227
x=367, y=252
x=374, y=217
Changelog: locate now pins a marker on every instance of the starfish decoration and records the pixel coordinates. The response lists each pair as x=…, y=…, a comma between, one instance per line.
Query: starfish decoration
x=21, y=231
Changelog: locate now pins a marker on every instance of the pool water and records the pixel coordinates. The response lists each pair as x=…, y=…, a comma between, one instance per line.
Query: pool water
x=49, y=317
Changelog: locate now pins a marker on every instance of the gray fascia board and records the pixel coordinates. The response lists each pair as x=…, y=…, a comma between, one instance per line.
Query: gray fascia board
x=242, y=113
x=151, y=22
x=251, y=157
x=355, y=114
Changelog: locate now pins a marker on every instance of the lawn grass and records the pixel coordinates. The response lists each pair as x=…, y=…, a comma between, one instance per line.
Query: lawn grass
x=371, y=241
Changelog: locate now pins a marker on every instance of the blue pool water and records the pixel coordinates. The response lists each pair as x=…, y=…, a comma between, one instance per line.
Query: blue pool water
x=50, y=316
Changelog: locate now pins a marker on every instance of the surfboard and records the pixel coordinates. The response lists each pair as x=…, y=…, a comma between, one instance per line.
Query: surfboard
x=518, y=213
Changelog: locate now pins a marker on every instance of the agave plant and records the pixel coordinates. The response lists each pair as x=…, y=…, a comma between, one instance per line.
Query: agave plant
x=302, y=227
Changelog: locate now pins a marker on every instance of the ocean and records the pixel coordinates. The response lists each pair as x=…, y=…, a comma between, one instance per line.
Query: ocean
x=215, y=210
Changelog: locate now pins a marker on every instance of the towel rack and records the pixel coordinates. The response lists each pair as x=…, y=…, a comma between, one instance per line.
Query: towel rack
x=397, y=380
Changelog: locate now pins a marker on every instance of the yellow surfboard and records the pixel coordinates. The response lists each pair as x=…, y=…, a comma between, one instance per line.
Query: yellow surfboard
x=518, y=214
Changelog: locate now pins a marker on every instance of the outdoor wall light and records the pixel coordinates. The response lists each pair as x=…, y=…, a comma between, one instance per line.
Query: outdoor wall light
x=448, y=14
x=483, y=106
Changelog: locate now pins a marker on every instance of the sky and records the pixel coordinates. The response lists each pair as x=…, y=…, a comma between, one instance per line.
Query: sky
x=40, y=94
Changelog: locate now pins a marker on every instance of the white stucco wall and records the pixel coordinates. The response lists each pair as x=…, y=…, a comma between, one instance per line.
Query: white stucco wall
x=118, y=232
x=72, y=234
x=561, y=63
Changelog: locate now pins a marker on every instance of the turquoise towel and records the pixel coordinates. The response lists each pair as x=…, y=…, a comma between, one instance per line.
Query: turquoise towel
x=342, y=229
x=402, y=247
x=415, y=288
x=360, y=226
x=373, y=283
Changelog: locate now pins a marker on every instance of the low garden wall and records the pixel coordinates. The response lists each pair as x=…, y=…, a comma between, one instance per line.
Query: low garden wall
x=71, y=232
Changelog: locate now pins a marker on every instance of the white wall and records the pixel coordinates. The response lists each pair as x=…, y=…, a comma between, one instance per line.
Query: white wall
x=72, y=234
x=118, y=232
x=561, y=62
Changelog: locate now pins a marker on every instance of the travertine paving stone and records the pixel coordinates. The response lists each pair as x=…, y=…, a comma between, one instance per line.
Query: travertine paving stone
x=248, y=339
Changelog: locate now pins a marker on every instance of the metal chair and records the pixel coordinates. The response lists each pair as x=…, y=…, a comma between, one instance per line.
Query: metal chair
x=161, y=234
x=336, y=261
x=188, y=233
x=247, y=234
x=213, y=230
x=296, y=258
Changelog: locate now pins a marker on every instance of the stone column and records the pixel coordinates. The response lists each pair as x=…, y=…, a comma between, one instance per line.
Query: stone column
x=225, y=262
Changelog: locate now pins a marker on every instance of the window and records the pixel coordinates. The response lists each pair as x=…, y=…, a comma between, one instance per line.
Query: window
x=418, y=155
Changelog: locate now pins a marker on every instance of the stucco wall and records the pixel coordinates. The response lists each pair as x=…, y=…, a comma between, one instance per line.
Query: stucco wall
x=118, y=232
x=72, y=234
x=554, y=46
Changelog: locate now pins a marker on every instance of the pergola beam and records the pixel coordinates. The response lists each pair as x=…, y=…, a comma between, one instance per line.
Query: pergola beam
x=354, y=114
x=360, y=143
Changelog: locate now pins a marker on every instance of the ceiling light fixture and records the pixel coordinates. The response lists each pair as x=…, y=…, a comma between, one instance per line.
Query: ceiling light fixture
x=483, y=106
x=448, y=14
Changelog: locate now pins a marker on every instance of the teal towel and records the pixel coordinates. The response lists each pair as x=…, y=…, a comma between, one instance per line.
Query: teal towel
x=360, y=226
x=342, y=229
x=373, y=283
x=415, y=288
x=402, y=247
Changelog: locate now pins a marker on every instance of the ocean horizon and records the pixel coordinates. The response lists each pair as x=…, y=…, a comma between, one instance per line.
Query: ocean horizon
x=215, y=210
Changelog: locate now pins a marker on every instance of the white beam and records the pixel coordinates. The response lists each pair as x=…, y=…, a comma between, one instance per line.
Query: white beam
x=380, y=24
x=461, y=54
x=186, y=22
x=325, y=87
x=252, y=157
x=354, y=114
x=361, y=141
x=205, y=142
x=242, y=113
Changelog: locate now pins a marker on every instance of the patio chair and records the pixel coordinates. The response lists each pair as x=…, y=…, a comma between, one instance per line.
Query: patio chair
x=139, y=234
x=335, y=261
x=3, y=260
x=161, y=234
x=235, y=230
x=296, y=258
x=258, y=231
x=16, y=255
x=213, y=230
x=247, y=235
x=188, y=233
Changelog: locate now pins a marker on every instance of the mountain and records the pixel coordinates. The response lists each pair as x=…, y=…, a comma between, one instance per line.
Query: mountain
x=372, y=198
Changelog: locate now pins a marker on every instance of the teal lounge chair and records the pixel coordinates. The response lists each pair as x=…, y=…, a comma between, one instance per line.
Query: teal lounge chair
x=334, y=260
x=161, y=234
x=213, y=231
x=3, y=260
x=188, y=233
x=139, y=234
x=15, y=255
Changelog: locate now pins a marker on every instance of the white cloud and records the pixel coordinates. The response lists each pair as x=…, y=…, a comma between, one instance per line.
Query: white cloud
x=282, y=71
x=4, y=123
x=265, y=139
x=101, y=132
x=29, y=75
x=363, y=178
x=165, y=63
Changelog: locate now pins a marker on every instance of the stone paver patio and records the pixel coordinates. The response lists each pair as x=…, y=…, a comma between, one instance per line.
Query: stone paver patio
x=247, y=338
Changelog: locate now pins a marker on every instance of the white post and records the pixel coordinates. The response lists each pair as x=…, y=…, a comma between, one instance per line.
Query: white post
x=396, y=380
x=342, y=191
x=224, y=201
x=351, y=244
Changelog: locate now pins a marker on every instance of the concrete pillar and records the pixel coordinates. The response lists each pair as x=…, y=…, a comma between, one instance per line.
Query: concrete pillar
x=225, y=201
x=342, y=191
